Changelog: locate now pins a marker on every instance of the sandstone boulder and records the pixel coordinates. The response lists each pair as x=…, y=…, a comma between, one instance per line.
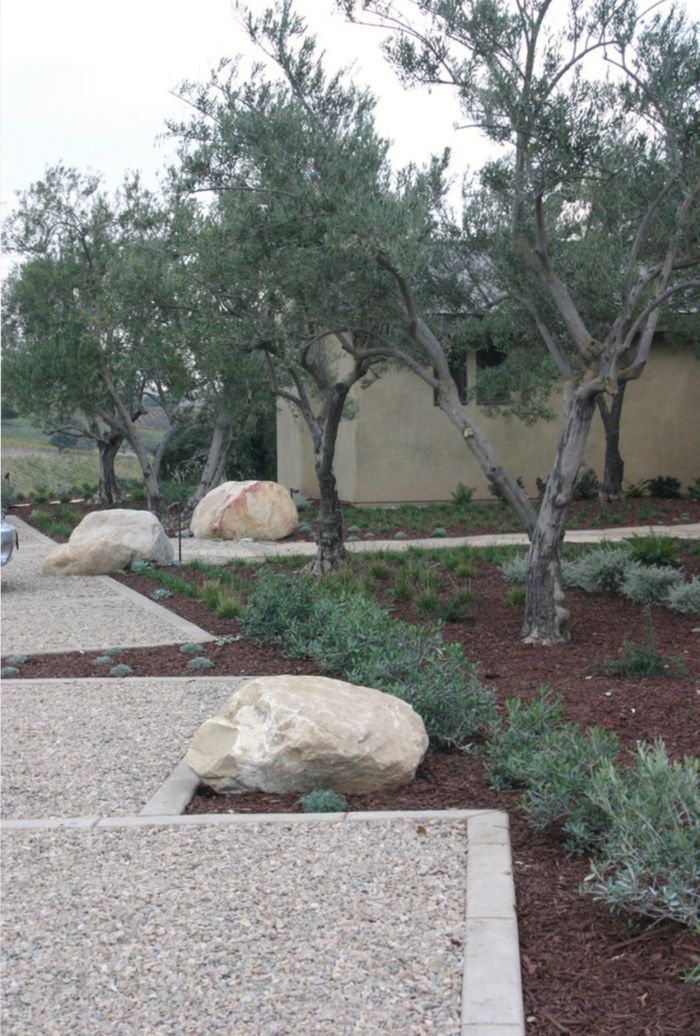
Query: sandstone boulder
x=97, y=558
x=234, y=510
x=297, y=733
x=140, y=531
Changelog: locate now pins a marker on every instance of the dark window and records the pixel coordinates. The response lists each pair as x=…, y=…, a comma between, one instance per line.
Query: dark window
x=489, y=395
x=458, y=370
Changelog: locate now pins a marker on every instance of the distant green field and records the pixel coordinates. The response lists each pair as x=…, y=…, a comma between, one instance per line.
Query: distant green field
x=34, y=465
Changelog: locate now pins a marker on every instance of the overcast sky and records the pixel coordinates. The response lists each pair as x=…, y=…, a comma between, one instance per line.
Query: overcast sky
x=89, y=83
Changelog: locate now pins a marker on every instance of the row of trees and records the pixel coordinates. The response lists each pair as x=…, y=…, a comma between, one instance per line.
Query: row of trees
x=285, y=242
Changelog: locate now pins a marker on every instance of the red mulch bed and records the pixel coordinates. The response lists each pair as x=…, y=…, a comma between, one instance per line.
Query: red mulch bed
x=585, y=971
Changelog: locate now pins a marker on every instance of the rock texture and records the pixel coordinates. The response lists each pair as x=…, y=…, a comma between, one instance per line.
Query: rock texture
x=234, y=510
x=87, y=559
x=298, y=733
x=107, y=541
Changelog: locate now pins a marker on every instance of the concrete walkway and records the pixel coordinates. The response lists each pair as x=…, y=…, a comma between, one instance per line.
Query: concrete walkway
x=123, y=917
x=220, y=552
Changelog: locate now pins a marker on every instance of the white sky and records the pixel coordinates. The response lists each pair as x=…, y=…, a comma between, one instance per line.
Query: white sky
x=87, y=82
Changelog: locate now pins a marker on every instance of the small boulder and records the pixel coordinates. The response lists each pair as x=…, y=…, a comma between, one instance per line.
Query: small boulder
x=87, y=559
x=235, y=510
x=296, y=733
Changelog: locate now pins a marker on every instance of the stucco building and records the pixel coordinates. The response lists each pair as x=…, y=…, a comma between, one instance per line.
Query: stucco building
x=401, y=447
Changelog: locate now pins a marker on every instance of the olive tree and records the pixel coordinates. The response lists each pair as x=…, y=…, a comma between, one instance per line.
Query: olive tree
x=301, y=193
x=576, y=95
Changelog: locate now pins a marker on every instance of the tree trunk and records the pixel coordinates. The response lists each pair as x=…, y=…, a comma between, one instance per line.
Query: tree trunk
x=331, y=553
x=108, y=448
x=218, y=449
x=611, y=486
x=546, y=615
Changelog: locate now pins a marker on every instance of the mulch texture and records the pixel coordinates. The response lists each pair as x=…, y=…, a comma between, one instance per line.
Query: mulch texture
x=586, y=972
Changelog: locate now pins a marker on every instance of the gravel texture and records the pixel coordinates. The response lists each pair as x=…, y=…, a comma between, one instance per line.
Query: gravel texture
x=84, y=747
x=326, y=929
x=72, y=613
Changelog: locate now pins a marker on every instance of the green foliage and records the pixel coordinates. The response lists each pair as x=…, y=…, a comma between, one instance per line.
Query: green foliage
x=121, y=670
x=694, y=489
x=353, y=637
x=439, y=533
x=219, y=599
x=16, y=660
x=8, y=671
x=645, y=659
x=587, y=487
x=516, y=596
x=378, y=572
x=514, y=569
x=462, y=495
x=654, y=550
x=459, y=607
x=113, y=652
x=602, y=570
x=649, y=584
x=103, y=660
x=191, y=648
x=200, y=662
x=427, y=602
x=649, y=862
x=416, y=578
x=512, y=744
x=140, y=567
x=8, y=495
x=665, y=487
x=636, y=490
x=553, y=763
x=323, y=801
x=160, y=594
x=685, y=597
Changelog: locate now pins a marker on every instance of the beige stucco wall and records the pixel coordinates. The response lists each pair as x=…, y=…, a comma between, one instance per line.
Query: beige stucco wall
x=401, y=447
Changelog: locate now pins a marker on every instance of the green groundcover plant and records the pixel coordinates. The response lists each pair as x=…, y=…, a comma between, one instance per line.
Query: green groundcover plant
x=352, y=637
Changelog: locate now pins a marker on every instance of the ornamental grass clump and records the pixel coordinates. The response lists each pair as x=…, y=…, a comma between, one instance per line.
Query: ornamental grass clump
x=645, y=659
x=649, y=861
x=323, y=801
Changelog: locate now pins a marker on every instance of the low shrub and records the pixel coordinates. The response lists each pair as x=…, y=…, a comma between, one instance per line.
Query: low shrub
x=587, y=487
x=553, y=762
x=462, y=496
x=516, y=596
x=512, y=743
x=649, y=584
x=665, y=487
x=685, y=597
x=654, y=550
x=649, y=861
x=190, y=648
x=121, y=670
x=160, y=594
x=645, y=659
x=559, y=777
x=353, y=637
x=602, y=570
x=323, y=801
x=200, y=662
x=458, y=607
x=636, y=490
x=514, y=570
x=694, y=489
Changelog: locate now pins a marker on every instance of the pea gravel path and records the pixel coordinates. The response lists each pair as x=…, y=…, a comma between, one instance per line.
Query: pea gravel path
x=263, y=929
x=77, y=613
x=98, y=747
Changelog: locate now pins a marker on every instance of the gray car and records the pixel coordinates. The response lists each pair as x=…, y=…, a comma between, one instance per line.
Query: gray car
x=10, y=540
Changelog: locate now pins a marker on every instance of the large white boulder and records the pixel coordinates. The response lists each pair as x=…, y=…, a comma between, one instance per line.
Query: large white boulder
x=107, y=541
x=259, y=510
x=298, y=733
